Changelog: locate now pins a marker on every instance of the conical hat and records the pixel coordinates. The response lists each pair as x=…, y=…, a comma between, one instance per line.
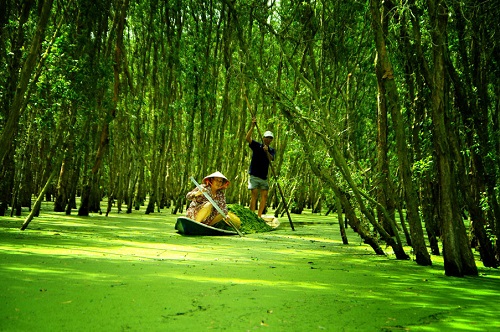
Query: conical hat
x=216, y=175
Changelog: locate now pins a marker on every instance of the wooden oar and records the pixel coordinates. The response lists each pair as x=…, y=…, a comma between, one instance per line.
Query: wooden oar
x=216, y=206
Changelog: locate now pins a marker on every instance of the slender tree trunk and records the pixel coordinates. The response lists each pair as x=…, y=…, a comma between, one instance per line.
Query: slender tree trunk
x=140, y=195
x=338, y=205
x=75, y=175
x=471, y=101
x=7, y=182
x=38, y=202
x=351, y=216
x=10, y=129
x=428, y=195
x=16, y=99
x=458, y=258
x=472, y=187
x=90, y=189
x=7, y=167
x=496, y=131
x=153, y=192
x=383, y=174
x=385, y=77
x=62, y=188
x=132, y=185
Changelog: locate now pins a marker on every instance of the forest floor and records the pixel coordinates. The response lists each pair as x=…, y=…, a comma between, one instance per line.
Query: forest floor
x=136, y=273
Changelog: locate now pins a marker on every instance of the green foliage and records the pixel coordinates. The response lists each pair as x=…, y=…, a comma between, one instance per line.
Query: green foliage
x=250, y=223
x=423, y=166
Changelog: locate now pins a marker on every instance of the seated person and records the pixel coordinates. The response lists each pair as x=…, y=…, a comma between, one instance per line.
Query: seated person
x=202, y=210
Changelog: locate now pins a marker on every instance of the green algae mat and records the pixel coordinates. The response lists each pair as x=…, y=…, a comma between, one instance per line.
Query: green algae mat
x=136, y=273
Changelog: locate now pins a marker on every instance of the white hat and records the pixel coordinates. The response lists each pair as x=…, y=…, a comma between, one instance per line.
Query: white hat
x=217, y=174
x=268, y=134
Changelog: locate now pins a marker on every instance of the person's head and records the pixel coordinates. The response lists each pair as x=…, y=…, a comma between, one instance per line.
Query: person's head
x=216, y=180
x=268, y=137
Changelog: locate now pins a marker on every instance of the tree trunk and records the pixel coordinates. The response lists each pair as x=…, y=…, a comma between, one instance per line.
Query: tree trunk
x=427, y=187
x=476, y=176
x=36, y=208
x=64, y=184
x=338, y=204
x=75, y=175
x=383, y=174
x=458, y=258
x=154, y=169
x=351, y=216
x=7, y=167
x=496, y=130
x=6, y=183
x=385, y=77
x=11, y=127
x=90, y=189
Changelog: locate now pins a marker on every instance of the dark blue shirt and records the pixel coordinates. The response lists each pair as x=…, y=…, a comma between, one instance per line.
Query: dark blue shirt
x=259, y=165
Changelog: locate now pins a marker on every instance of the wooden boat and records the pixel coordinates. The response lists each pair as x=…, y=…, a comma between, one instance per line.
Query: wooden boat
x=188, y=226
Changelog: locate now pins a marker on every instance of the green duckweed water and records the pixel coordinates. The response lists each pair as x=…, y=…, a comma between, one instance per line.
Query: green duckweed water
x=250, y=223
x=134, y=272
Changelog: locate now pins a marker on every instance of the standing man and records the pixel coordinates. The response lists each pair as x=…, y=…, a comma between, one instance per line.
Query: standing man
x=262, y=155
